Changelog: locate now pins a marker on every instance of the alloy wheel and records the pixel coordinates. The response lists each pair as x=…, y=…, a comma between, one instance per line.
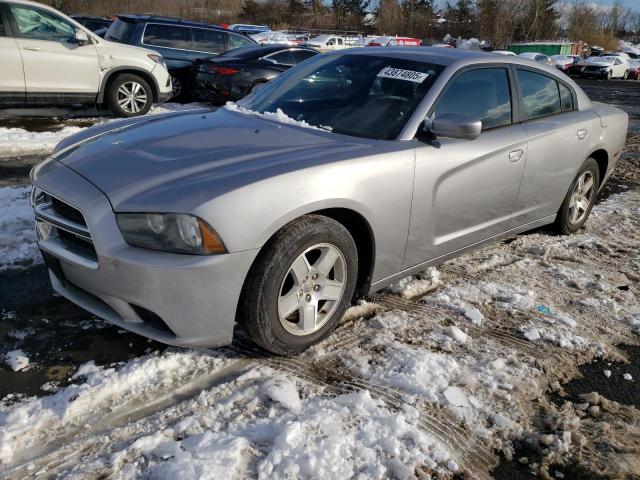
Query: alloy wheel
x=312, y=289
x=581, y=198
x=132, y=97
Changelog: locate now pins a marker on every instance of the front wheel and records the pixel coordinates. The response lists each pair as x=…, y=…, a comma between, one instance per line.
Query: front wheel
x=300, y=286
x=626, y=75
x=580, y=199
x=129, y=95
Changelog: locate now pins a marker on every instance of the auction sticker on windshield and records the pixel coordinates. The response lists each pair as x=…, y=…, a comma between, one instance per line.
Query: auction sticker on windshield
x=399, y=74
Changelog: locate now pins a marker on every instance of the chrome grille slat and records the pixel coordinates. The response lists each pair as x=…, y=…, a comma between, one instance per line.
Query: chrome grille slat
x=62, y=229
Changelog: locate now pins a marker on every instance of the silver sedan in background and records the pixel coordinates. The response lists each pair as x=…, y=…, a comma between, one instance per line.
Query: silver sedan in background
x=349, y=171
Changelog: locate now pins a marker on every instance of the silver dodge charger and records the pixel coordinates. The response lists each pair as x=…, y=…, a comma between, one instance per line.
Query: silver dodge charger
x=351, y=170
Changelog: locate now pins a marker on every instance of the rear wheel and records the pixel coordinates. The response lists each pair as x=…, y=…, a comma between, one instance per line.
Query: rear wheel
x=626, y=75
x=129, y=95
x=300, y=286
x=580, y=198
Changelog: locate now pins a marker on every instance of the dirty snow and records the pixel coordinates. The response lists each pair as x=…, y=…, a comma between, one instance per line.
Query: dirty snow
x=18, y=246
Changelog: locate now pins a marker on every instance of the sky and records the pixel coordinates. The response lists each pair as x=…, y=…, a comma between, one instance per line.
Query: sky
x=632, y=4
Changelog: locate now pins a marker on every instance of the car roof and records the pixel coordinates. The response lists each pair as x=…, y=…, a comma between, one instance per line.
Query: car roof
x=167, y=20
x=530, y=54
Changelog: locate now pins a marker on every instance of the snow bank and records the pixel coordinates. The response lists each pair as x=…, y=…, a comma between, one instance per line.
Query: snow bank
x=102, y=391
x=18, y=247
x=18, y=141
x=347, y=436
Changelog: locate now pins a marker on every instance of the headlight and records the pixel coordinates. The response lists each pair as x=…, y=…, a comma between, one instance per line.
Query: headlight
x=170, y=232
x=157, y=58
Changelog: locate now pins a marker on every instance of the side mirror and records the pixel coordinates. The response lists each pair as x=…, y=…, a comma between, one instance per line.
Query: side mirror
x=81, y=37
x=454, y=125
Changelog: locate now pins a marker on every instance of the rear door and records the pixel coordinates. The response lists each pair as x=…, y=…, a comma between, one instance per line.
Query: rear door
x=55, y=65
x=12, y=88
x=558, y=142
x=173, y=42
x=465, y=190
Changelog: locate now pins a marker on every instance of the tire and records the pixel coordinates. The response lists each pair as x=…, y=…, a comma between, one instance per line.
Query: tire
x=626, y=75
x=278, y=326
x=116, y=95
x=609, y=75
x=567, y=220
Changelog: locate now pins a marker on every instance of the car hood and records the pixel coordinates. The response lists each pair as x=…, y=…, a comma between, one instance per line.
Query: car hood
x=138, y=164
x=599, y=64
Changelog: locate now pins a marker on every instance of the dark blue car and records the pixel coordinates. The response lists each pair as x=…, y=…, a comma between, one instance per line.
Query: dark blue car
x=180, y=42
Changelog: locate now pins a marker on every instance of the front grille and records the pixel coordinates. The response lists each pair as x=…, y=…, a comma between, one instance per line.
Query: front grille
x=67, y=211
x=62, y=229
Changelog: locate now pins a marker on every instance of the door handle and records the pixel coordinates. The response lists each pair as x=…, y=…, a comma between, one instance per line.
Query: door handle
x=33, y=49
x=582, y=134
x=515, y=155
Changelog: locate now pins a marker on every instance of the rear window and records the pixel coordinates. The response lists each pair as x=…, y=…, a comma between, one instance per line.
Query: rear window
x=238, y=41
x=539, y=93
x=301, y=55
x=120, y=31
x=170, y=36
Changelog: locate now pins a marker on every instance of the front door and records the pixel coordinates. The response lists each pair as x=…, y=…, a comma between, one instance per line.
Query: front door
x=55, y=65
x=12, y=88
x=465, y=190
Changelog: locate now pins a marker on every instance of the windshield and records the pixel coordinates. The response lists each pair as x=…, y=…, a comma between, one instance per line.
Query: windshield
x=360, y=95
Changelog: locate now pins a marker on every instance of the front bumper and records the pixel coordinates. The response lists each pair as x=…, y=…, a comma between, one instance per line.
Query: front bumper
x=185, y=300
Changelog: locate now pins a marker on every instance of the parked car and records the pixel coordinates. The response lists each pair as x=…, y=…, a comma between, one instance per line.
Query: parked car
x=563, y=62
x=271, y=38
x=605, y=67
x=93, y=23
x=394, y=42
x=537, y=57
x=180, y=42
x=327, y=42
x=504, y=52
x=632, y=52
x=234, y=74
x=277, y=215
x=634, y=69
x=48, y=58
x=247, y=30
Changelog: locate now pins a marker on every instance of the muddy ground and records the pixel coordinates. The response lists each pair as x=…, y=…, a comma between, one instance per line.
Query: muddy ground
x=606, y=440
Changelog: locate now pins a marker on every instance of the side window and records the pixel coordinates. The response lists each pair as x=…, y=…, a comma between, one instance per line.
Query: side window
x=331, y=42
x=283, y=58
x=170, y=36
x=483, y=94
x=237, y=41
x=37, y=24
x=300, y=56
x=340, y=41
x=540, y=94
x=3, y=31
x=211, y=41
x=566, y=99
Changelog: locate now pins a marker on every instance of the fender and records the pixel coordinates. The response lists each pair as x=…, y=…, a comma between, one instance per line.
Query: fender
x=143, y=73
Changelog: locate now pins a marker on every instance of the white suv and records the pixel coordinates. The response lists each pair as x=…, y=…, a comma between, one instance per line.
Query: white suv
x=46, y=58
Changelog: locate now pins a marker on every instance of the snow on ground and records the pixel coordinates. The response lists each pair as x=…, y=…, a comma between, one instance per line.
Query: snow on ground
x=16, y=142
x=18, y=247
x=16, y=360
x=364, y=402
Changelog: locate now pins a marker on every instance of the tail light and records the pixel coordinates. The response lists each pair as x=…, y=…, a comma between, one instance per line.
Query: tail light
x=218, y=70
